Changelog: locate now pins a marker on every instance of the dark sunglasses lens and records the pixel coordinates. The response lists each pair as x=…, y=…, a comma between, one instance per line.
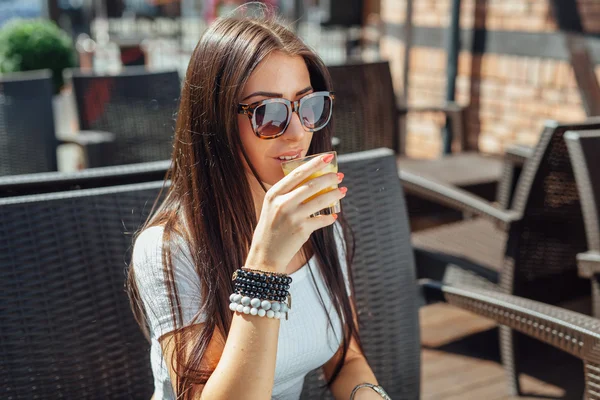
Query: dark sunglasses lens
x=270, y=118
x=315, y=112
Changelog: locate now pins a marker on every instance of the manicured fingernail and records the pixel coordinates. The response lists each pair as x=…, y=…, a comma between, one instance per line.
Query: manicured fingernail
x=328, y=158
x=335, y=216
x=343, y=190
x=340, y=177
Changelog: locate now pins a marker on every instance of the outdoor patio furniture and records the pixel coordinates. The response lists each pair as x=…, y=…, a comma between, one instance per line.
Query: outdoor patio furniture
x=136, y=105
x=66, y=329
x=568, y=331
x=384, y=274
x=27, y=184
x=584, y=149
x=366, y=116
x=28, y=142
x=515, y=157
x=528, y=250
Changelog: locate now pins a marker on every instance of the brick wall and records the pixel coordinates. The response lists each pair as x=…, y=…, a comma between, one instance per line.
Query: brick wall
x=509, y=96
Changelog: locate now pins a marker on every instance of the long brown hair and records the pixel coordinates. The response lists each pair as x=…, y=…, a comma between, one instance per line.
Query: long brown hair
x=209, y=203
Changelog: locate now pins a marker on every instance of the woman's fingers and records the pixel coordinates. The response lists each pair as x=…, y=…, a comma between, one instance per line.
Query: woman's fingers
x=313, y=187
x=322, y=201
x=320, y=221
x=300, y=174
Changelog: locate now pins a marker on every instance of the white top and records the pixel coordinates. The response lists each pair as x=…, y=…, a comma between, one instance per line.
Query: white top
x=306, y=340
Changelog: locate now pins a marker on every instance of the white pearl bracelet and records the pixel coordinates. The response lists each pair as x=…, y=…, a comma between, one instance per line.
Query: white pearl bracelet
x=262, y=308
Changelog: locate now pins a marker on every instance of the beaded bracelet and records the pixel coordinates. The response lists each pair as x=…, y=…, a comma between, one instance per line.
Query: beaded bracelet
x=258, y=307
x=255, y=293
x=263, y=284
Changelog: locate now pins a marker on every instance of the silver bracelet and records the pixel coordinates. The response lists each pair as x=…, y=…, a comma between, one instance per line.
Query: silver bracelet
x=378, y=389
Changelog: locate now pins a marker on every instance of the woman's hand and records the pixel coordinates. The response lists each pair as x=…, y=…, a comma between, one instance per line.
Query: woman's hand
x=285, y=223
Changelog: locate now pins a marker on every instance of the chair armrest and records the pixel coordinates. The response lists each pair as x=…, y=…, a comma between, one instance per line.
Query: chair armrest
x=569, y=331
x=588, y=264
x=454, y=197
x=517, y=154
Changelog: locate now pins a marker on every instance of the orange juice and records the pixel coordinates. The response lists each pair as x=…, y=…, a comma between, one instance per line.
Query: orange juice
x=289, y=166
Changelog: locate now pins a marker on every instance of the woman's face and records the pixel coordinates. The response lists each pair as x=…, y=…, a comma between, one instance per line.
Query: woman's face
x=283, y=76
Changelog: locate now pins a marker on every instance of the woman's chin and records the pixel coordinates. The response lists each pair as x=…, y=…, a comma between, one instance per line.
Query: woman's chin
x=270, y=182
x=272, y=179
x=267, y=179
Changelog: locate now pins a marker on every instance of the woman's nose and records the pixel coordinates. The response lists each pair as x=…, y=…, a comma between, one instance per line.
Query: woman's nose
x=295, y=131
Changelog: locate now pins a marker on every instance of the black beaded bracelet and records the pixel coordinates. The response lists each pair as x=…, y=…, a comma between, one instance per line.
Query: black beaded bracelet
x=260, y=284
x=268, y=291
x=261, y=295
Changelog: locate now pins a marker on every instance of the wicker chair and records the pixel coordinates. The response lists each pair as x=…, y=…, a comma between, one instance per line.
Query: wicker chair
x=384, y=274
x=137, y=106
x=66, y=329
x=28, y=142
x=21, y=185
x=584, y=149
x=529, y=250
x=366, y=117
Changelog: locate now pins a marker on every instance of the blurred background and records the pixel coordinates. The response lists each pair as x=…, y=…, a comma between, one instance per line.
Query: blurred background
x=111, y=36
x=508, y=63
x=462, y=91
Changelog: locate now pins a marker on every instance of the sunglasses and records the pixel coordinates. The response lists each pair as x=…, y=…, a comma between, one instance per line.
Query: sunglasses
x=270, y=118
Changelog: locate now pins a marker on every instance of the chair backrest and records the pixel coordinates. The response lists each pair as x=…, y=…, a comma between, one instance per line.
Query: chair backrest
x=66, y=328
x=364, y=114
x=384, y=273
x=137, y=106
x=543, y=245
x=27, y=138
x=584, y=149
x=21, y=185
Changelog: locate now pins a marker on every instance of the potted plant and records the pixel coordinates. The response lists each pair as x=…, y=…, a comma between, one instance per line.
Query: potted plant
x=27, y=45
x=33, y=44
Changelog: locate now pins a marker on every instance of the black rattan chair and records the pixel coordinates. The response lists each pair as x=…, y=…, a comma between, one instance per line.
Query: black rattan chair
x=27, y=184
x=27, y=138
x=584, y=149
x=529, y=250
x=28, y=143
x=384, y=274
x=136, y=105
x=66, y=329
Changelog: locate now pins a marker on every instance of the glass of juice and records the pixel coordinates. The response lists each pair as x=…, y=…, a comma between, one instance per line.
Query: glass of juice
x=289, y=166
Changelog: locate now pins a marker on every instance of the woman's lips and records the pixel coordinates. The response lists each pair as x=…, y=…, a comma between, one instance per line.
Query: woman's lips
x=290, y=153
x=297, y=154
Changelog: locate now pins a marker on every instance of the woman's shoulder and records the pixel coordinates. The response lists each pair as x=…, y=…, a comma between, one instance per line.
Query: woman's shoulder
x=150, y=235
x=148, y=241
x=148, y=247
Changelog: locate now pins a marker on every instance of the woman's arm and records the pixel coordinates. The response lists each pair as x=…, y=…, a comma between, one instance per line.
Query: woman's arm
x=355, y=371
x=246, y=367
x=245, y=363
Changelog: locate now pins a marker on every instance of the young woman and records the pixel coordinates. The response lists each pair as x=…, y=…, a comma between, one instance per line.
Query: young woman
x=253, y=95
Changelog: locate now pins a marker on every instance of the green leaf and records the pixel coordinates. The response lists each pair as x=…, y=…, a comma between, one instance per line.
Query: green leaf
x=27, y=45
